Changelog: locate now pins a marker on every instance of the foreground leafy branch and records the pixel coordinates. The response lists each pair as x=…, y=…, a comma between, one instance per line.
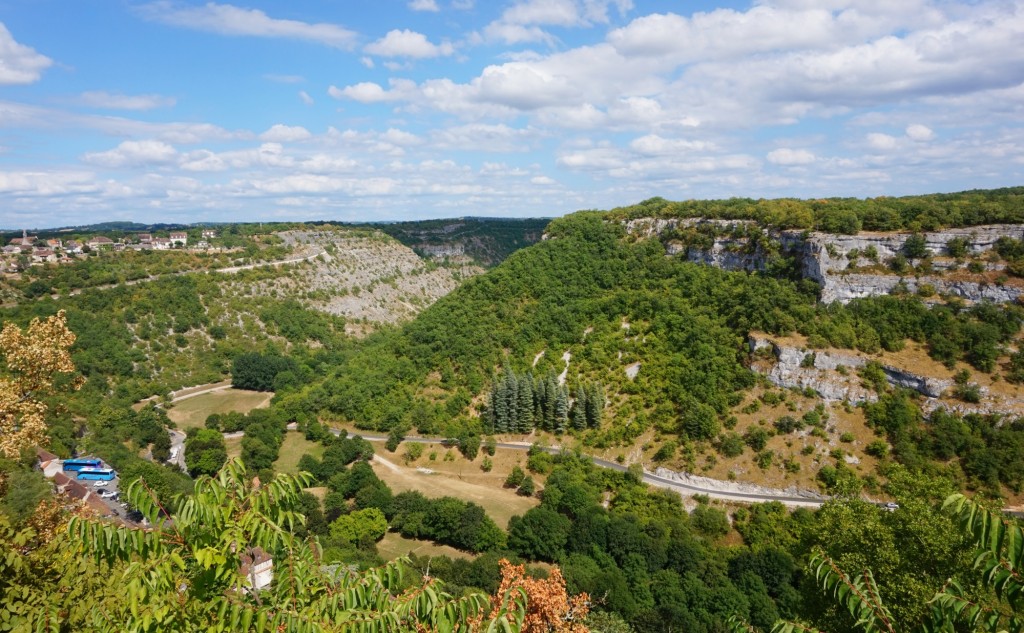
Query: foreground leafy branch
x=184, y=572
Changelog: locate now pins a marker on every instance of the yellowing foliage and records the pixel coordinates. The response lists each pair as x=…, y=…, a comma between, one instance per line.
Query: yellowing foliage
x=34, y=357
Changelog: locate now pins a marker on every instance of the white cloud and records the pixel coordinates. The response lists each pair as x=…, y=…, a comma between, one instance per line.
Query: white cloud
x=522, y=21
x=400, y=137
x=19, y=64
x=920, y=133
x=308, y=100
x=522, y=86
x=369, y=92
x=881, y=142
x=654, y=145
x=406, y=43
x=227, y=19
x=281, y=133
x=46, y=183
x=115, y=101
x=484, y=137
x=789, y=156
x=542, y=180
x=366, y=61
x=134, y=154
x=424, y=5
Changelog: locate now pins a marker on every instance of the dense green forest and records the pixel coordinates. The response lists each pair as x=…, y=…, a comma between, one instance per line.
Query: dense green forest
x=849, y=215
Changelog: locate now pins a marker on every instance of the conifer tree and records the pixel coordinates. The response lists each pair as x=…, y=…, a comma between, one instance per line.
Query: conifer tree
x=550, y=395
x=538, y=400
x=499, y=402
x=524, y=407
x=579, y=409
x=561, y=408
x=512, y=398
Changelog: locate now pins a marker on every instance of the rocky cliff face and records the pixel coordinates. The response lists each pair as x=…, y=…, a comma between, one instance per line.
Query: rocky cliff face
x=833, y=374
x=827, y=258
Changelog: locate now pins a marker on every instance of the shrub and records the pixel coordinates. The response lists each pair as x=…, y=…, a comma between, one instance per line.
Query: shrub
x=413, y=451
x=787, y=424
x=527, y=487
x=764, y=459
x=756, y=438
x=877, y=448
x=515, y=478
x=667, y=451
x=731, y=445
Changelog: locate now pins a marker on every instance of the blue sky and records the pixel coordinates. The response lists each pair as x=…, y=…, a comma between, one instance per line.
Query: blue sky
x=176, y=111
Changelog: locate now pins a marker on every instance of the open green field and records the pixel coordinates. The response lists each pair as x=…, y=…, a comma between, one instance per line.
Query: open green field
x=394, y=545
x=192, y=412
x=501, y=504
x=294, y=447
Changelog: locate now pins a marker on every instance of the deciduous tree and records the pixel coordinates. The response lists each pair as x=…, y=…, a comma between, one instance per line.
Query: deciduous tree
x=35, y=357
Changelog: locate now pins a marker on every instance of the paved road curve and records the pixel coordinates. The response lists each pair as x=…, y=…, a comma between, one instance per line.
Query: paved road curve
x=689, y=489
x=648, y=477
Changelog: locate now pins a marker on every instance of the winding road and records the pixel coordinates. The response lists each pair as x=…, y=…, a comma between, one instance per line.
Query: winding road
x=720, y=491
x=650, y=478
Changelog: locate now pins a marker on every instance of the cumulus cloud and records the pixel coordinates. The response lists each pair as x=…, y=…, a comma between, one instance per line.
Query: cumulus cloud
x=400, y=137
x=406, y=43
x=281, y=133
x=369, y=92
x=789, y=156
x=654, y=145
x=881, y=142
x=134, y=154
x=226, y=19
x=523, y=21
x=116, y=101
x=19, y=64
x=920, y=133
x=308, y=100
x=46, y=183
x=424, y=5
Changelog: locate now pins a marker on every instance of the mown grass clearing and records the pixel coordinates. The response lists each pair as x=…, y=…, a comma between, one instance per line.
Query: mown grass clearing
x=294, y=447
x=192, y=412
x=394, y=545
x=501, y=504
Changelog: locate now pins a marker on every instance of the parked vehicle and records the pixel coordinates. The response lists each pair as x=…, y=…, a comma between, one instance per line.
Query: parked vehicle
x=100, y=474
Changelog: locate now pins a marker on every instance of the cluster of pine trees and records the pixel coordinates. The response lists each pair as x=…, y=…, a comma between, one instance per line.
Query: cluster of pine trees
x=521, y=402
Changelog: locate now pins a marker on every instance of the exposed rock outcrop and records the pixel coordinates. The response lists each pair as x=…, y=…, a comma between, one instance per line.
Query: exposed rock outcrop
x=821, y=371
x=826, y=258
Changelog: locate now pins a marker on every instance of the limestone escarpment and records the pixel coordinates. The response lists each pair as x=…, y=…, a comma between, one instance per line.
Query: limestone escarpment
x=833, y=374
x=832, y=260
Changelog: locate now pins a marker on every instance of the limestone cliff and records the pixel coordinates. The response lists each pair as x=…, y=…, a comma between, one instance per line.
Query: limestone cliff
x=831, y=259
x=833, y=374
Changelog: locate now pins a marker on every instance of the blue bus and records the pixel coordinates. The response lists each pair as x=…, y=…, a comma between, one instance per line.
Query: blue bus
x=84, y=462
x=105, y=474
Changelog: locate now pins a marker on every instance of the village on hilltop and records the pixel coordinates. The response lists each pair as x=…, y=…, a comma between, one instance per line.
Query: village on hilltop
x=30, y=250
